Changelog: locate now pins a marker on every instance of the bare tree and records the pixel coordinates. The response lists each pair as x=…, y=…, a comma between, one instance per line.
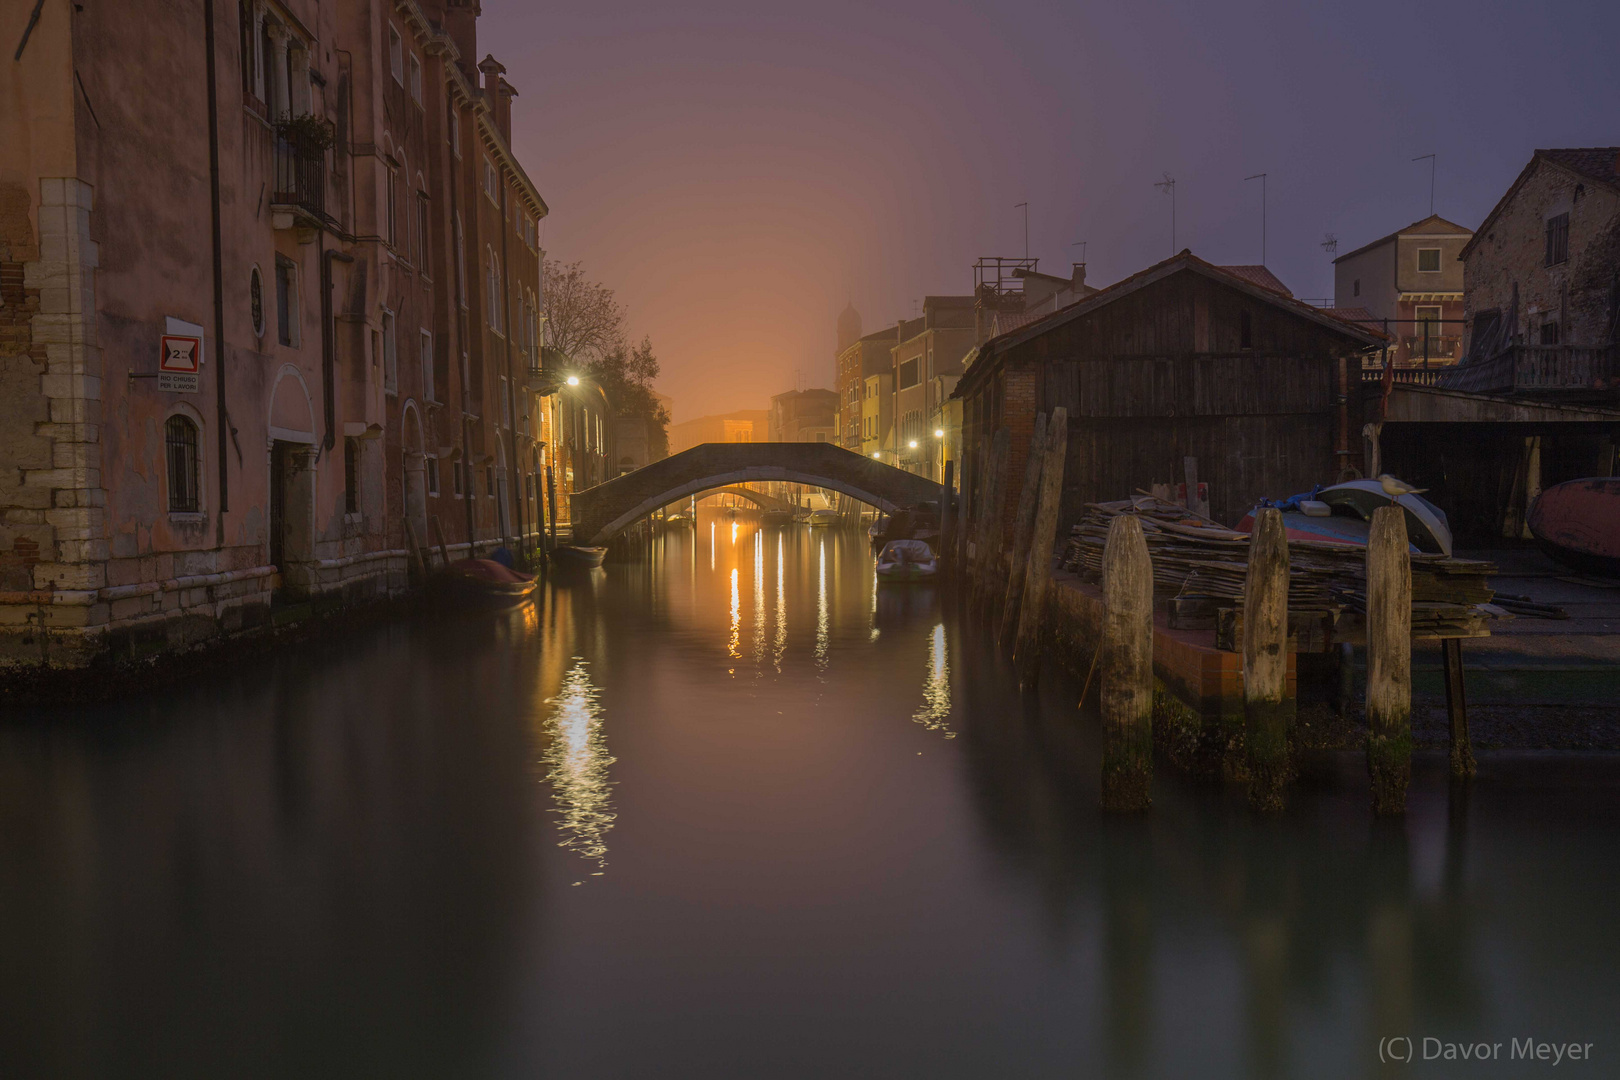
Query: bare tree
x=583, y=318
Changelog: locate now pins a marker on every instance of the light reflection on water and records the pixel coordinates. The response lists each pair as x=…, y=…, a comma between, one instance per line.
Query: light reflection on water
x=759, y=603
x=576, y=761
x=821, y=606
x=781, y=604
x=936, y=709
x=733, y=646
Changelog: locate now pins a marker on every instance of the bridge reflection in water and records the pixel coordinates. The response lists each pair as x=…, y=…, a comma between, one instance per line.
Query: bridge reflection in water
x=495, y=846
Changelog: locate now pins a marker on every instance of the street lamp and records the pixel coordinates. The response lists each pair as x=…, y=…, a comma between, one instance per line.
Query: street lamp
x=877, y=454
x=912, y=444
x=939, y=433
x=573, y=380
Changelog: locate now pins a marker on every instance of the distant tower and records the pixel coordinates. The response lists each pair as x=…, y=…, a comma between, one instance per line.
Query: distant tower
x=849, y=327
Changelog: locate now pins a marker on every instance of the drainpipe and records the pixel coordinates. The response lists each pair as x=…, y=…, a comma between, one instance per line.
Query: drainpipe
x=221, y=417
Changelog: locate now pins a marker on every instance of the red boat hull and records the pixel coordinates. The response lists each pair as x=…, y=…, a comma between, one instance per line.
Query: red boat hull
x=1578, y=523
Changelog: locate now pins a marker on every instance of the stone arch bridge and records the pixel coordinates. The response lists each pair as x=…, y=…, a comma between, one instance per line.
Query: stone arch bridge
x=601, y=512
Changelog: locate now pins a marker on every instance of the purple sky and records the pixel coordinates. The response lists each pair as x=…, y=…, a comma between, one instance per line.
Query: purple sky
x=738, y=171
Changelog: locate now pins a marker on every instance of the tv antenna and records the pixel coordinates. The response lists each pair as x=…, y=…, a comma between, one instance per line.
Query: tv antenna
x=1025, y=206
x=1430, y=159
x=1260, y=176
x=1168, y=186
x=1330, y=243
x=1081, y=244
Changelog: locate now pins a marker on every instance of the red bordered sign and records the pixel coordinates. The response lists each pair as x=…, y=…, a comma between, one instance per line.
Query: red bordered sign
x=179, y=360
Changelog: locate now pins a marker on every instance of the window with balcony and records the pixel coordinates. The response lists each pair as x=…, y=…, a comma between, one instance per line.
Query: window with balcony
x=1428, y=260
x=1558, y=239
x=1426, y=320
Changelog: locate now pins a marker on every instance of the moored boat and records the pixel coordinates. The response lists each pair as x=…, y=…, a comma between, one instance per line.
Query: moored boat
x=570, y=555
x=823, y=517
x=906, y=560
x=776, y=517
x=1578, y=523
x=1342, y=514
x=481, y=582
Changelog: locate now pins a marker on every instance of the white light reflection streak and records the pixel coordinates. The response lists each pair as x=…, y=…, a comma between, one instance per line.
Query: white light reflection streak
x=936, y=708
x=821, y=611
x=711, y=545
x=576, y=762
x=759, y=604
x=781, y=607
x=736, y=619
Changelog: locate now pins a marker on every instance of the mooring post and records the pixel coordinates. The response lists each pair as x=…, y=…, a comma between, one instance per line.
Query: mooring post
x=945, y=508
x=972, y=497
x=987, y=544
x=1127, y=667
x=1042, y=538
x=1389, y=660
x=1023, y=523
x=1266, y=711
x=1462, y=750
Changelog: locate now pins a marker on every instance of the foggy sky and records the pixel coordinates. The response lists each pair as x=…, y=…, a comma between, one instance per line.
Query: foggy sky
x=738, y=171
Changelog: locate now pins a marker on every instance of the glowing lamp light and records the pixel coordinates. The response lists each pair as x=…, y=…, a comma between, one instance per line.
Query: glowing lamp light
x=912, y=444
x=573, y=380
x=939, y=433
x=877, y=455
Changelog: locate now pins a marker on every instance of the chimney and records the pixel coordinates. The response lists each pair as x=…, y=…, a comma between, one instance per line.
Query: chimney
x=504, y=110
x=460, y=22
x=499, y=105
x=1077, y=277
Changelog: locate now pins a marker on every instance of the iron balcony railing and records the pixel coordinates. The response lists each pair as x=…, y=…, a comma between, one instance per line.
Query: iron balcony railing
x=300, y=173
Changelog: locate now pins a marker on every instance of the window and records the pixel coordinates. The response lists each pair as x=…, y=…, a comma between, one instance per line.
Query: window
x=489, y=481
x=351, y=476
x=396, y=55
x=427, y=366
x=492, y=183
x=455, y=477
x=494, y=310
x=416, y=79
x=1356, y=289
x=421, y=226
x=1245, y=330
x=180, y=439
x=461, y=262
x=286, y=302
x=1549, y=333
x=455, y=130
x=256, y=302
x=1558, y=239
x=909, y=375
x=390, y=356
x=1427, y=320
x=390, y=207
x=432, y=470
x=1428, y=260
x=506, y=403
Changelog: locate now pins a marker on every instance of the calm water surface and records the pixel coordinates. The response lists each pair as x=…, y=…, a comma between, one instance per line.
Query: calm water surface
x=732, y=811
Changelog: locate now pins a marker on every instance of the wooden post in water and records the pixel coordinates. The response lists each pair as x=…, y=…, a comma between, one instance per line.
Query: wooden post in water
x=945, y=507
x=987, y=543
x=1266, y=708
x=1028, y=496
x=1389, y=660
x=971, y=498
x=1042, y=538
x=1127, y=667
x=1462, y=750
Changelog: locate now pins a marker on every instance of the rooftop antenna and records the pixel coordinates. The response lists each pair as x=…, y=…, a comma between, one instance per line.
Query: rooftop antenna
x=1330, y=243
x=1168, y=186
x=1025, y=206
x=1430, y=159
x=1260, y=176
x=1081, y=244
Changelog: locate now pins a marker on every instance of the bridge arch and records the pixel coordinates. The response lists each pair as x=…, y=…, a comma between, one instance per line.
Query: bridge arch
x=601, y=512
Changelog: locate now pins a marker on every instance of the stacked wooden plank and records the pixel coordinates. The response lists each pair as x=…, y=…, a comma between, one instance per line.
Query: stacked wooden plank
x=1194, y=557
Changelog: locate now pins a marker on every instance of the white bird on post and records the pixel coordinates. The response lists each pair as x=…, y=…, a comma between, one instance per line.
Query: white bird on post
x=1396, y=488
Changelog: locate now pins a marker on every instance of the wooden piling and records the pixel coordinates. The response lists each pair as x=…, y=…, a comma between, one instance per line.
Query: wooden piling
x=987, y=542
x=1042, y=539
x=1023, y=523
x=972, y=486
x=1462, y=750
x=1127, y=667
x=1389, y=660
x=1266, y=708
x=946, y=505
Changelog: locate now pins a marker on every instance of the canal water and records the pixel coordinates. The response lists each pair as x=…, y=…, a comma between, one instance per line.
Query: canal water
x=733, y=810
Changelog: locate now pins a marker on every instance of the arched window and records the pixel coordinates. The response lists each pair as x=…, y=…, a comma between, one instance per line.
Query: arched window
x=494, y=292
x=180, y=438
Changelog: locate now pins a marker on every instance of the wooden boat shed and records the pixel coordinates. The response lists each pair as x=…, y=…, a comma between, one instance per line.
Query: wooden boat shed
x=1182, y=370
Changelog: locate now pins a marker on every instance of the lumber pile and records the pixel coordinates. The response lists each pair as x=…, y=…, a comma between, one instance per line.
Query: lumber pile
x=1196, y=559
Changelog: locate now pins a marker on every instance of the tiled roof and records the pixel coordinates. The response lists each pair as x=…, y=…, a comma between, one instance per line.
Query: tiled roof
x=1601, y=163
x=1259, y=275
x=1353, y=314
